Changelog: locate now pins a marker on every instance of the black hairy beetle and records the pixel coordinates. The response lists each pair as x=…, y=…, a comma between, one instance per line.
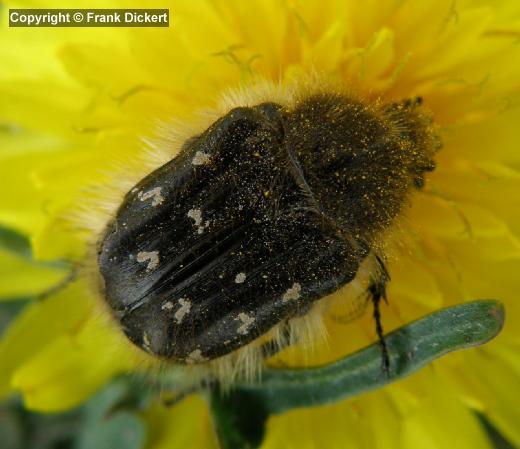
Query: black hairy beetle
x=268, y=210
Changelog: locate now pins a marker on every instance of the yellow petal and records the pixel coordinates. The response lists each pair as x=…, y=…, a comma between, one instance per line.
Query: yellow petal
x=444, y=425
x=501, y=381
x=72, y=367
x=336, y=426
x=21, y=277
x=327, y=51
x=20, y=202
x=38, y=325
x=437, y=419
x=371, y=62
x=89, y=64
x=188, y=424
x=483, y=184
x=421, y=287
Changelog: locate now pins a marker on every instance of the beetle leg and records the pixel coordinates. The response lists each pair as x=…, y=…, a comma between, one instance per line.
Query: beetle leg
x=377, y=292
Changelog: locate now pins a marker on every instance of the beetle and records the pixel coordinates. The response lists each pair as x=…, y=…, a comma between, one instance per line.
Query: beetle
x=271, y=208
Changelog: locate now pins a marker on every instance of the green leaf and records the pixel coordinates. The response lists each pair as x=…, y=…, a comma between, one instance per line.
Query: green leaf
x=23, y=429
x=240, y=415
x=11, y=430
x=15, y=242
x=122, y=431
x=106, y=427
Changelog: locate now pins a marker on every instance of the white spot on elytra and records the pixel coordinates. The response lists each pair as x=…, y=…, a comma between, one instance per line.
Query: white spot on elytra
x=196, y=357
x=152, y=257
x=146, y=341
x=183, y=310
x=196, y=216
x=200, y=158
x=292, y=293
x=246, y=321
x=168, y=305
x=240, y=277
x=155, y=194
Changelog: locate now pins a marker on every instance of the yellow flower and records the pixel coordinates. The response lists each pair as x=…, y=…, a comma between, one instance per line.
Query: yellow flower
x=75, y=102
